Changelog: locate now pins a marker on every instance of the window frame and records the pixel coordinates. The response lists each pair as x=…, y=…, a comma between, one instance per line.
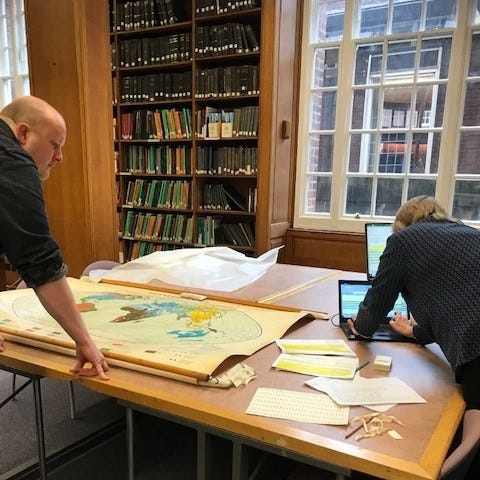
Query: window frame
x=452, y=124
x=15, y=12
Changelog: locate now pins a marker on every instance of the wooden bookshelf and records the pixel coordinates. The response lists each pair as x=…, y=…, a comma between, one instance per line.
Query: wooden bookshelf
x=200, y=90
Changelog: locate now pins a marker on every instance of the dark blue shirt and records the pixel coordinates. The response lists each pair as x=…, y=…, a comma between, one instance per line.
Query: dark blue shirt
x=436, y=267
x=24, y=231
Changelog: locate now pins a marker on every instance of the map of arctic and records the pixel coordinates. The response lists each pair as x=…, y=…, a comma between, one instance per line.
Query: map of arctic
x=141, y=326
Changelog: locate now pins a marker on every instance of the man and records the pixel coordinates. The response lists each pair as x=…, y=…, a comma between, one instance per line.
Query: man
x=32, y=134
x=434, y=261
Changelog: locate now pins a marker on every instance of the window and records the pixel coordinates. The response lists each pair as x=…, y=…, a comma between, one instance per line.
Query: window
x=14, y=81
x=389, y=109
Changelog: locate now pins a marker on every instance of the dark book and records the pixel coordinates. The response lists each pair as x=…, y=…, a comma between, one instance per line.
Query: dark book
x=251, y=37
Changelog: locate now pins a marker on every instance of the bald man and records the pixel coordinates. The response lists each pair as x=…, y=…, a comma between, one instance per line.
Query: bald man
x=32, y=134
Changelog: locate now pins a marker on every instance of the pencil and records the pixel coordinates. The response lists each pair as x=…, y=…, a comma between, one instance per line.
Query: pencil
x=364, y=364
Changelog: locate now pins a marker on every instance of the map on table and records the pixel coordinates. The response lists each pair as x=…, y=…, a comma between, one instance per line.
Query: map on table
x=150, y=328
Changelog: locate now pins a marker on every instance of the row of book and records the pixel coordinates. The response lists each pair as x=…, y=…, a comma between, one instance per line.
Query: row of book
x=164, y=124
x=214, y=230
x=134, y=15
x=209, y=7
x=135, y=250
x=234, y=80
x=158, y=226
x=158, y=159
x=227, y=123
x=137, y=52
x=178, y=228
x=155, y=87
x=227, y=160
x=218, y=196
x=225, y=39
x=172, y=194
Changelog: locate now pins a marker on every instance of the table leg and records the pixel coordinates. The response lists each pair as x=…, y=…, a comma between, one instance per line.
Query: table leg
x=129, y=433
x=40, y=432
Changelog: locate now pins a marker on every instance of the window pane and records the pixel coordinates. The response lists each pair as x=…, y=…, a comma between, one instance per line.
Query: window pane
x=474, y=67
x=320, y=153
x=406, y=18
x=26, y=86
x=362, y=152
x=8, y=93
x=373, y=17
x=325, y=66
x=323, y=110
x=468, y=153
x=359, y=194
x=439, y=105
x=401, y=58
x=466, y=201
x=21, y=46
x=424, y=153
x=328, y=20
x=392, y=153
x=318, y=194
x=441, y=14
x=476, y=14
x=423, y=117
x=434, y=59
x=6, y=66
x=421, y=187
x=398, y=102
x=365, y=109
x=471, y=112
x=368, y=64
x=389, y=196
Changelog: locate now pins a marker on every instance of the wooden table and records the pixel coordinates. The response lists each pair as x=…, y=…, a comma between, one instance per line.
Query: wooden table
x=429, y=428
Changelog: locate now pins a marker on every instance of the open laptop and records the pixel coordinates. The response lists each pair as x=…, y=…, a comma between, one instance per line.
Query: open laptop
x=376, y=235
x=350, y=294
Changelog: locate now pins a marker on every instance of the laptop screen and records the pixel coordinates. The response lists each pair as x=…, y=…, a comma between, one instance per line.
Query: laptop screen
x=376, y=235
x=352, y=292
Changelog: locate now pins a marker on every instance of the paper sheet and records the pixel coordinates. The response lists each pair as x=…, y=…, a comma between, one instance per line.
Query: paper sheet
x=315, y=347
x=318, y=365
x=367, y=391
x=298, y=406
x=212, y=268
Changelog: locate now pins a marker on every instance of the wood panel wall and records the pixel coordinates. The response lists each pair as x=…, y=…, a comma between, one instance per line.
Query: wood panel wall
x=69, y=61
x=343, y=251
x=278, y=99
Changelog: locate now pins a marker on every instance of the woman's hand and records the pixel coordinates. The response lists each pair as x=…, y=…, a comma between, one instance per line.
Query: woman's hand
x=402, y=325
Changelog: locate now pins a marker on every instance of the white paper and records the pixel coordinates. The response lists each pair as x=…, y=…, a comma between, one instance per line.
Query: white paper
x=298, y=406
x=367, y=391
x=211, y=268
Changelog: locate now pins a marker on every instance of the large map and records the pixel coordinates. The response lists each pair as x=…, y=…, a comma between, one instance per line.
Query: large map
x=163, y=331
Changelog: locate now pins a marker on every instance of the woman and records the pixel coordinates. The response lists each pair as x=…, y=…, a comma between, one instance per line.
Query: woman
x=433, y=260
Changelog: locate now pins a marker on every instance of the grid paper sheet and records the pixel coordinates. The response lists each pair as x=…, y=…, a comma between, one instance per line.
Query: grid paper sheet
x=367, y=391
x=298, y=406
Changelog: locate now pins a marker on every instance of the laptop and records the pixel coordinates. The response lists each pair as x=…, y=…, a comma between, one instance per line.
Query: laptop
x=350, y=294
x=376, y=235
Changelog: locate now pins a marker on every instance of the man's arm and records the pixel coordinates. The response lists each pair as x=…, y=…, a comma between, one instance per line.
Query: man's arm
x=57, y=298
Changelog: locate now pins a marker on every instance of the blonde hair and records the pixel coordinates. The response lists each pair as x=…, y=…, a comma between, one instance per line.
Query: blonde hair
x=418, y=208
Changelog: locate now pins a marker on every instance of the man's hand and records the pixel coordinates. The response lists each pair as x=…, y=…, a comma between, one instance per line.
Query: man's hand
x=92, y=355
x=402, y=325
x=2, y=343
